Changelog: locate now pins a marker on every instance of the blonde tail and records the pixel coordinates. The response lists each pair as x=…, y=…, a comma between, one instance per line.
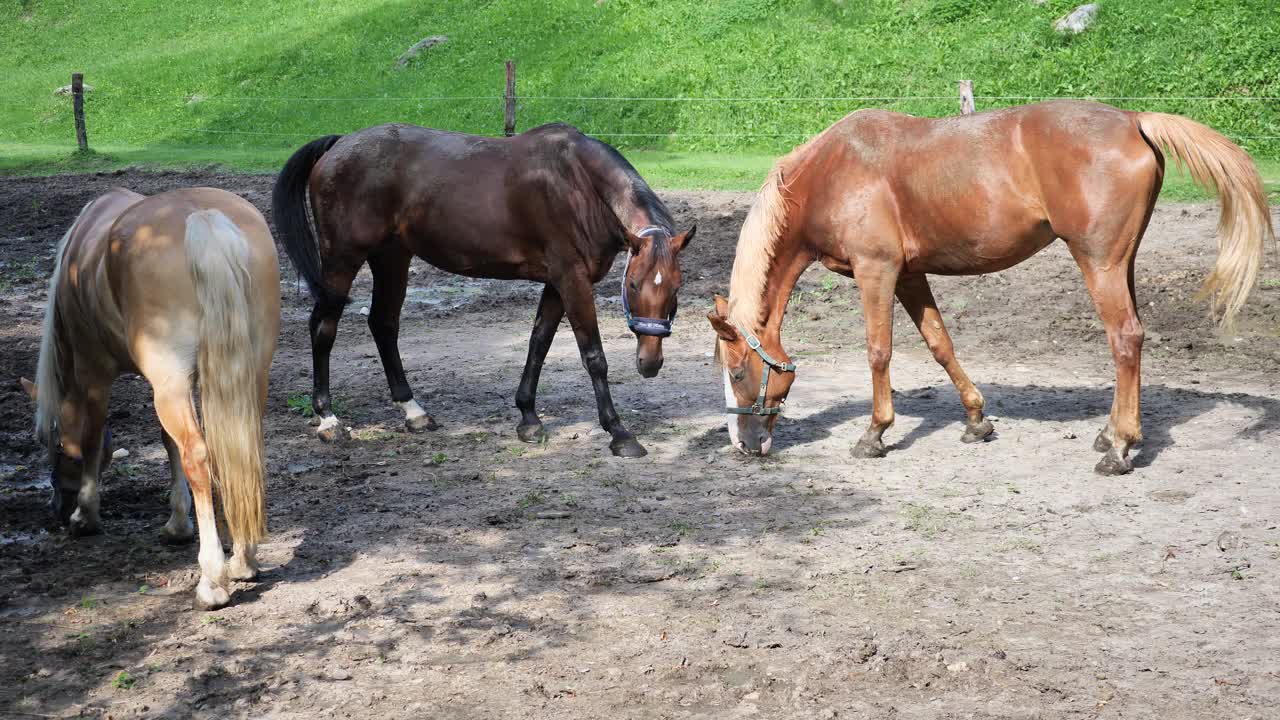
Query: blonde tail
x=1245, y=224
x=230, y=404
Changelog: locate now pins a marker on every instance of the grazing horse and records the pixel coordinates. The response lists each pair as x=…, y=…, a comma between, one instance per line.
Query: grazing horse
x=887, y=198
x=184, y=289
x=549, y=205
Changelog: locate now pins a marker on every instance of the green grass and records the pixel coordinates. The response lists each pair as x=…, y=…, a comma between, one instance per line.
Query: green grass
x=202, y=73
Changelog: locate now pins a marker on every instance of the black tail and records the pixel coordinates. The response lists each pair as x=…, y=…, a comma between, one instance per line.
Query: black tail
x=293, y=224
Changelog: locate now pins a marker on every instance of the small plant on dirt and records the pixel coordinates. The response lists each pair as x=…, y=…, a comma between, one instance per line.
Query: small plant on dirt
x=84, y=642
x=528, y=501
x=300, y=404
x=212, y=619
x=122, y=471
x=88, y=603
x=439, y=458
x=1270, y=282
x=142, y=589
x=123, y=680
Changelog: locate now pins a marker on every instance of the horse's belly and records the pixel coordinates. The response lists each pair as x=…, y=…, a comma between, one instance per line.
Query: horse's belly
x=975, y=256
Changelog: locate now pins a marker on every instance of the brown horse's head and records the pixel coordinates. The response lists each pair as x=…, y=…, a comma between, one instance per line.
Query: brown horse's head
x=650, y=284
x=757, y=377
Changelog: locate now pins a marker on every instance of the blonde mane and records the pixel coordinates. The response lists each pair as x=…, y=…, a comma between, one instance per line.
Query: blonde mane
x=764, y=227
x=49, y=380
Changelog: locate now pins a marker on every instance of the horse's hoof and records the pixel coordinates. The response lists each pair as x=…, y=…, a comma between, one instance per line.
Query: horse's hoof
x=170, y=537
x=865, y=449
x=531, y=433
x=333, y=434
x=240, y=570
x=1112, y=464
x=1102, y=443
x=80, y=526
x=421, y=423
x=628, y=447
x=977, y=433
x=210, y=596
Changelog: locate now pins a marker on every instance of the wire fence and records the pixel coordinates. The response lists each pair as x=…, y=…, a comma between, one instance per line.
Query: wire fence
x=547, y=108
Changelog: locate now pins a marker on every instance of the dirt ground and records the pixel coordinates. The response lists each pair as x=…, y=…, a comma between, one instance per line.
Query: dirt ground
x=463, y=574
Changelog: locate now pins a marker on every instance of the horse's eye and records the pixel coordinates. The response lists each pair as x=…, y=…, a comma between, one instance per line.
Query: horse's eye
x=738, y=374
x=633, y=286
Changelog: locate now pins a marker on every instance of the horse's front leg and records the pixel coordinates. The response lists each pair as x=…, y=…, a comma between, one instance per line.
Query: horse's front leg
x=579, y=304
x=86, y=520
x=877, y=284
x=550, y=311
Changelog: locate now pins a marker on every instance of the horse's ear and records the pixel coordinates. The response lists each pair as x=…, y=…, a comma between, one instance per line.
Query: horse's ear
x=634, y=242
x=30, y=387
x=682, y=240
x=720, y=321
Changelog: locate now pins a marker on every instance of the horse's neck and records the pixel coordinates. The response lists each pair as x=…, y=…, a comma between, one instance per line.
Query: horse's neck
x=617, y=187
x=780, y=282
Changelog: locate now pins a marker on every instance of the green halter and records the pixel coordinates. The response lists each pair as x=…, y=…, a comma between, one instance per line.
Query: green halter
x=758, y=407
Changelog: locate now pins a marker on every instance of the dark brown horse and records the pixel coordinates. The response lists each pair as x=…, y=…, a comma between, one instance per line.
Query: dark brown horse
x=549, y=205
x=887, y=198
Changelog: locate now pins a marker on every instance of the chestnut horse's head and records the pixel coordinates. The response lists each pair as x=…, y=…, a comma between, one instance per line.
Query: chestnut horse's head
x=650, y=285
x=756, y=382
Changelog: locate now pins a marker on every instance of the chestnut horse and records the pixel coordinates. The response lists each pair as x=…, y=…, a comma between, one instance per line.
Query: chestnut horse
x=887, y=198
x=183, y=288
x=549, y=205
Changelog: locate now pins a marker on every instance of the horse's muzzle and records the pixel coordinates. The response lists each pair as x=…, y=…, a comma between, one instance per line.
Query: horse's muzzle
x=648, y=355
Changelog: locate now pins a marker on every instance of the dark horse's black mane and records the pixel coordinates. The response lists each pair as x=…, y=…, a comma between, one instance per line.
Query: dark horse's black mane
x=637, y=191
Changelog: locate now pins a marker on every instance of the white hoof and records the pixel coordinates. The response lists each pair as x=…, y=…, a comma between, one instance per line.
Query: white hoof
x=210, y=596
x=239, y=568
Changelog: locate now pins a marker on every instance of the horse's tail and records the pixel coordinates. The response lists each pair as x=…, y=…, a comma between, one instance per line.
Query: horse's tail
x=1245, y=224
x=293, y=222
x=227, y=365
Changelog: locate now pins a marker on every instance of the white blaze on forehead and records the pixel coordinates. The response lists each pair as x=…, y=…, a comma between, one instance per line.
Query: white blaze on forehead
x=657, y=279
x=730, y=400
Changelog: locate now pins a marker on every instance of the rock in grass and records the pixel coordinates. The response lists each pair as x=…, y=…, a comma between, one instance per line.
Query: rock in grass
x=418, y=47
x=1077, y=20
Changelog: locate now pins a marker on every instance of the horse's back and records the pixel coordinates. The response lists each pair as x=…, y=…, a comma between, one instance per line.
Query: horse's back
x=982, y=192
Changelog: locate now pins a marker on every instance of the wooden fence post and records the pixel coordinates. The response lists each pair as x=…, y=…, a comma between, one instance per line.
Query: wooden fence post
x=966, y=97
x=77, y=106
x=509, y=115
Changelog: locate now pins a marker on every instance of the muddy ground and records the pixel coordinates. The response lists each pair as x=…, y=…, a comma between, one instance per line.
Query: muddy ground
x=463, y=574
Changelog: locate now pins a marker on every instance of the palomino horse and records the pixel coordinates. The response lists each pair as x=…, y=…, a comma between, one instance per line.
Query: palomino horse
x=886, y=198
x=181, y=285
x=550, y=205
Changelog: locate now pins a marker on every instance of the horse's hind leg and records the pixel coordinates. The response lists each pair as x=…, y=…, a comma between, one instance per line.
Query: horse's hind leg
x=178, y=531
x=178, y=417
x=390, y=268
x=877, y=282
x=915, y=295
x=550, y=311
x=324, y=330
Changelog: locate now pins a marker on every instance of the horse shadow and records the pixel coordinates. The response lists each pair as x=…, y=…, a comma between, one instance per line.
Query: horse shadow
x=938, y=408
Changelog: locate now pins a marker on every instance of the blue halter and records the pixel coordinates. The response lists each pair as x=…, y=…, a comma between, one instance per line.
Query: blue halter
x=653, y=327
x=758, y=407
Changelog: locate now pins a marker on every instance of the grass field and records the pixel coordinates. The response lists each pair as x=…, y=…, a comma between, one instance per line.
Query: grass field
x=183, y=73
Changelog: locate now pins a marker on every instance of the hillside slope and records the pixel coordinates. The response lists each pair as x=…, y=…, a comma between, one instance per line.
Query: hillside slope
x=169, y=72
